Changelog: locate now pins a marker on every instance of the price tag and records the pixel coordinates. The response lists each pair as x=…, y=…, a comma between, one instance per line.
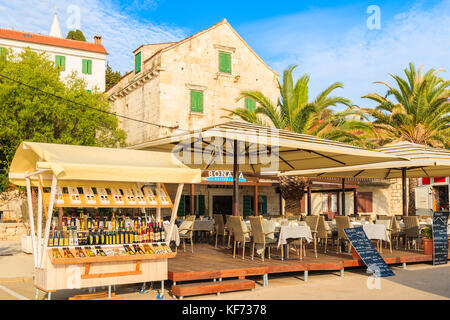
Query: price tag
x=89, y=196
x=74, y=196
x=139, y=196
x=117, y=196
x=103, y=196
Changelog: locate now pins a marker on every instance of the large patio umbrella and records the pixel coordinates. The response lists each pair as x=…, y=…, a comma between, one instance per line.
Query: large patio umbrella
x=243, y=146
x=423, y=161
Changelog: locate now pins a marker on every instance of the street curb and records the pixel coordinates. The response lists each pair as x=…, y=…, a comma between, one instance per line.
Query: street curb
x=18, y=279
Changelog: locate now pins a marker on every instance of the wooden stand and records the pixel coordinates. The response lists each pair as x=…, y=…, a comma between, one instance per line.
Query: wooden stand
x=77, y=273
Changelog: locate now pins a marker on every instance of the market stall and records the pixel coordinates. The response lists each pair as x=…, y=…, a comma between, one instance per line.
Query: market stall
x=111, y=232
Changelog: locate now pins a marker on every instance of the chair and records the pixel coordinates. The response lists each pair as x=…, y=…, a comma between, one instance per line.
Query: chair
x=186, y=231
x=220, y=228
x=313, y=222
x=190, y=218
x=239, y=235
x=382, y=217
x=342, y=222
x=323, y=231
x=412, y=230
x=396, y=232
x=261, y=237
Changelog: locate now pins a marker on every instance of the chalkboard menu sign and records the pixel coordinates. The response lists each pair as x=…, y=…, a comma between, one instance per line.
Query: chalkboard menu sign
x=440, y=238
x=368, y=253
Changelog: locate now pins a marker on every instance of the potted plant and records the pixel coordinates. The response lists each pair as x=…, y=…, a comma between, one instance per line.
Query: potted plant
x=427, y=241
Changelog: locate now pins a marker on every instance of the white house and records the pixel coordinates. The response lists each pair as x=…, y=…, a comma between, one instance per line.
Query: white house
x=86, y=58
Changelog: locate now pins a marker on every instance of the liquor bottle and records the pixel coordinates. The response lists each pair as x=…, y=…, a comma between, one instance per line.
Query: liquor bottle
x=117, y=237
x=50, y=239
x=102, y=237
x=70, y=236
x=61, y=238
x=75, y=238
x=152, y=233
x=66, y=238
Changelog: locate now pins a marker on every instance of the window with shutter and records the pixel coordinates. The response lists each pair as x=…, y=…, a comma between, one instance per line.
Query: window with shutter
x=87, y=66
x=201, y=204
x=250, y=104
x=224, y=62
x=181, y=207
x=137, y=63
x=196, y=101
x=61, y=61
x=365, y=202
x=264, y=204
x=248, y=204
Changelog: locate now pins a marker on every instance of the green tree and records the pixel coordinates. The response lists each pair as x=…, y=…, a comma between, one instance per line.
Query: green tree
x=111, y=77
x=27, y=114
x=294, y=112
x=416, y=110
x=76, y=35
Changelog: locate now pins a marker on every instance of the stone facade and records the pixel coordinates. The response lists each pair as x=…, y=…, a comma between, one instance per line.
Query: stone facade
x=12, y=231
x=160, y=92
x=11, y=224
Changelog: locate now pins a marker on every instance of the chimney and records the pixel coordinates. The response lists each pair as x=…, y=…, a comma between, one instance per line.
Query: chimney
x=98, y=39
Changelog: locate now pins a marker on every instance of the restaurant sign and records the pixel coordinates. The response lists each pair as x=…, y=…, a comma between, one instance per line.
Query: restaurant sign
x=223, y=175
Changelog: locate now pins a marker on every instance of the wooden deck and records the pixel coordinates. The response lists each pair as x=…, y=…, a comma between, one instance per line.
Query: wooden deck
x=208, y=262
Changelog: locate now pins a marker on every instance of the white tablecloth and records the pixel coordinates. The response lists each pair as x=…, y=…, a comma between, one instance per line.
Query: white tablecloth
x=175, y=235
x=373, y=231
x=288, y=232
x=376, y=232
x=203, y=225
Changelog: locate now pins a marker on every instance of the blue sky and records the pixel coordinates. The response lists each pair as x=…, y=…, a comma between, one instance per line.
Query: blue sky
x=329, y=40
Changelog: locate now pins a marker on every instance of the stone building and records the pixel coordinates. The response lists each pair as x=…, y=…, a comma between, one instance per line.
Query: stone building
x=188, y=84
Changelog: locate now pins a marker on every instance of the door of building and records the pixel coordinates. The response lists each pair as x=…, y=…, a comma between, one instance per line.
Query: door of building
x=222, y=204
x=330, y=204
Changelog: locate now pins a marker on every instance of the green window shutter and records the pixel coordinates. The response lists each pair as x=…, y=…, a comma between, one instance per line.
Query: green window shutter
x=201, y=204
x=248, y=201
x=87, y=66
x=196, y=101
x=181, y=207
x=264, y=204
x=250, y=104
x=61, y=61
x=224, y=62
x=137, y=63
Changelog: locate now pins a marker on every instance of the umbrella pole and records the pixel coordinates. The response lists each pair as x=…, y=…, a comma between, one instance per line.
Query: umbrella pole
x=235, y=180
x=405, y=207
x=343, y=196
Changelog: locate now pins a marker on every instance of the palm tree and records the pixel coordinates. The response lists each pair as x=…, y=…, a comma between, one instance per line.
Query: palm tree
x=418, y=112
x=294, y=112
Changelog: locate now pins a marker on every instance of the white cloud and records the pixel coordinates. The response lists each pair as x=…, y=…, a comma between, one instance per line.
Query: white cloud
x=121, y=31
x=345, y=50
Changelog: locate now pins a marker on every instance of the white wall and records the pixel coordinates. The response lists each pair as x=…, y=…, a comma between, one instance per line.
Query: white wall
x=74, y=60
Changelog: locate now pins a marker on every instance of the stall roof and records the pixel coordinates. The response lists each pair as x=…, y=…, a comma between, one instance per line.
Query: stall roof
x=295, y=151
x=80, y=164
x=424, y=161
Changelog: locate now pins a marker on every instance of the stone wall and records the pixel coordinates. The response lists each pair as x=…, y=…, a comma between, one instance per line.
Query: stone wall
x=12, y=231
x=395, y=196
x=12, y=226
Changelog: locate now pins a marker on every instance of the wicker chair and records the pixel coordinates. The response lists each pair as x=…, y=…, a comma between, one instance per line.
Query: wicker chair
x=342, y=222
x=190, y=218
x=412, y=230
x=239, y=235
x=396, y=232
x=260, y=237
x=186, y=231
x=382, y=217
x=220, y=228
x=313, y=223
x=323, y=231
